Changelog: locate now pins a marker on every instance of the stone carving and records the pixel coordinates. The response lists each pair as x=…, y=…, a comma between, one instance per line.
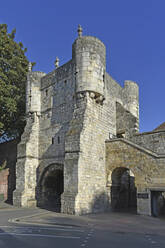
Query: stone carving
x=79, y=30
x=56, y=62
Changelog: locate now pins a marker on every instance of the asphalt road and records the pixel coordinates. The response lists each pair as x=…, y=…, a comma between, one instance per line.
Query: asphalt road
x=44, y=229
x=39, y=235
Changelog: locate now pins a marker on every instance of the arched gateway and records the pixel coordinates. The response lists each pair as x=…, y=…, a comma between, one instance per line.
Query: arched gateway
x=50, y=187
x=123, y=189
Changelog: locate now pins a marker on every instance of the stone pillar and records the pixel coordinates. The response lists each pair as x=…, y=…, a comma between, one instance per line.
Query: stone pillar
x=143, y=201
x=28, y=148
x=72, y=154
x=85, y=188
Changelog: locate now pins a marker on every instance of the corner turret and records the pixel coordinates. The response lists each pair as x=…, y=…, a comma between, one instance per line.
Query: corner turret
x=131, y=97
x=89, y=54
x=33, y=95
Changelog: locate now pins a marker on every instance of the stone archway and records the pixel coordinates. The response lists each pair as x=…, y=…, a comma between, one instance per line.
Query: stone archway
x=123, y=189
x=51, y=186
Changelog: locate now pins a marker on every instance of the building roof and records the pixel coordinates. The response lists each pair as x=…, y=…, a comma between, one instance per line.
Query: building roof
x=160, y=127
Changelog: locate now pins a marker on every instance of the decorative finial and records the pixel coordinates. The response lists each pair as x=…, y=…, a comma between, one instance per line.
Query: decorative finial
x=79, y=30
x=57, y=62
x=29, y=67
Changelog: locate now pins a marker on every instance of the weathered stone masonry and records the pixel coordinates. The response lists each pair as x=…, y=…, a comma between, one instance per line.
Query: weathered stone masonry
x=8, y=158
x=71, y=112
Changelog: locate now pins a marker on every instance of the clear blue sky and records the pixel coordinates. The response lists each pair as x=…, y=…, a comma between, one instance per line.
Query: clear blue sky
x=132, y=30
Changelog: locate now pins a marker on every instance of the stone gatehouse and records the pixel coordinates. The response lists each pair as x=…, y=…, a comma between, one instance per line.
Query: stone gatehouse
x=81, y=151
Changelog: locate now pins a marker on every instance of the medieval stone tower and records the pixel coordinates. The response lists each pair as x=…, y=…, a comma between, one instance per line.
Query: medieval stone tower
x=71, y=112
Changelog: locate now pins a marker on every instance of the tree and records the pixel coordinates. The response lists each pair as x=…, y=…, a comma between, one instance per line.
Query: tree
x=13, y=71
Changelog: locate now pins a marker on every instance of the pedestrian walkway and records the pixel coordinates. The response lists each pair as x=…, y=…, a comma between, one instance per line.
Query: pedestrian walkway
x=54, y=219
x=4, y=205
x=114, y=221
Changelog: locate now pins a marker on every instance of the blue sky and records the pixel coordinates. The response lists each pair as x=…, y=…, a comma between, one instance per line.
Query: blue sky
x=132, y=30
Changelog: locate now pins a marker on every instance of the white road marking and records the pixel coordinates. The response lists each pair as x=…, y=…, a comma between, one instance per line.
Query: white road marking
x=150, y=239
x=37, y=232
x=39, y=235
x=154, y=242
x=43, y=228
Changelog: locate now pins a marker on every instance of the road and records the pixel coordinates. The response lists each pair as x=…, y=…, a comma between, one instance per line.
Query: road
x=35, y=228
x=38, y=235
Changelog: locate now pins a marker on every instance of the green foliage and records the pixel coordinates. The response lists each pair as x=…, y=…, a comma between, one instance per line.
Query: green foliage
x=13, y=71
x=3, y=165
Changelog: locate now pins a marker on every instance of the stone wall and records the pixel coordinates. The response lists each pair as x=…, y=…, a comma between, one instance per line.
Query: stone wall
x=147, y=167
x=125, y=122
x=92, y=195
x=155, y=141
x=4, y=184
x=8, y=154
x=121, y=105
x=58, y=98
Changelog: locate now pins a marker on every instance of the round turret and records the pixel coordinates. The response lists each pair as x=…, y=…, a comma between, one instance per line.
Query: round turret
x=33, y=90
x=90, y=59
x=131, y=91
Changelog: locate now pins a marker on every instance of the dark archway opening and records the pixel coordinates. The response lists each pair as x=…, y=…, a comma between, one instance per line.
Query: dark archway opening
x=51, y=188
x=123, y=190
x=158, y=203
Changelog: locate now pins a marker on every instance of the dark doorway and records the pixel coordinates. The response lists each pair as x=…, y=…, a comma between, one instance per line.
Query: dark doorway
x=157, y=203
x=123, y=190
x=51, y=188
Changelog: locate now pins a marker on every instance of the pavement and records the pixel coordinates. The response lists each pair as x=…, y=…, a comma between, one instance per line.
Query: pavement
x=49, y=218
x=44, y=217
x=119, y=221
x=113, y=221
x=4, y=205
x=104, y=230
